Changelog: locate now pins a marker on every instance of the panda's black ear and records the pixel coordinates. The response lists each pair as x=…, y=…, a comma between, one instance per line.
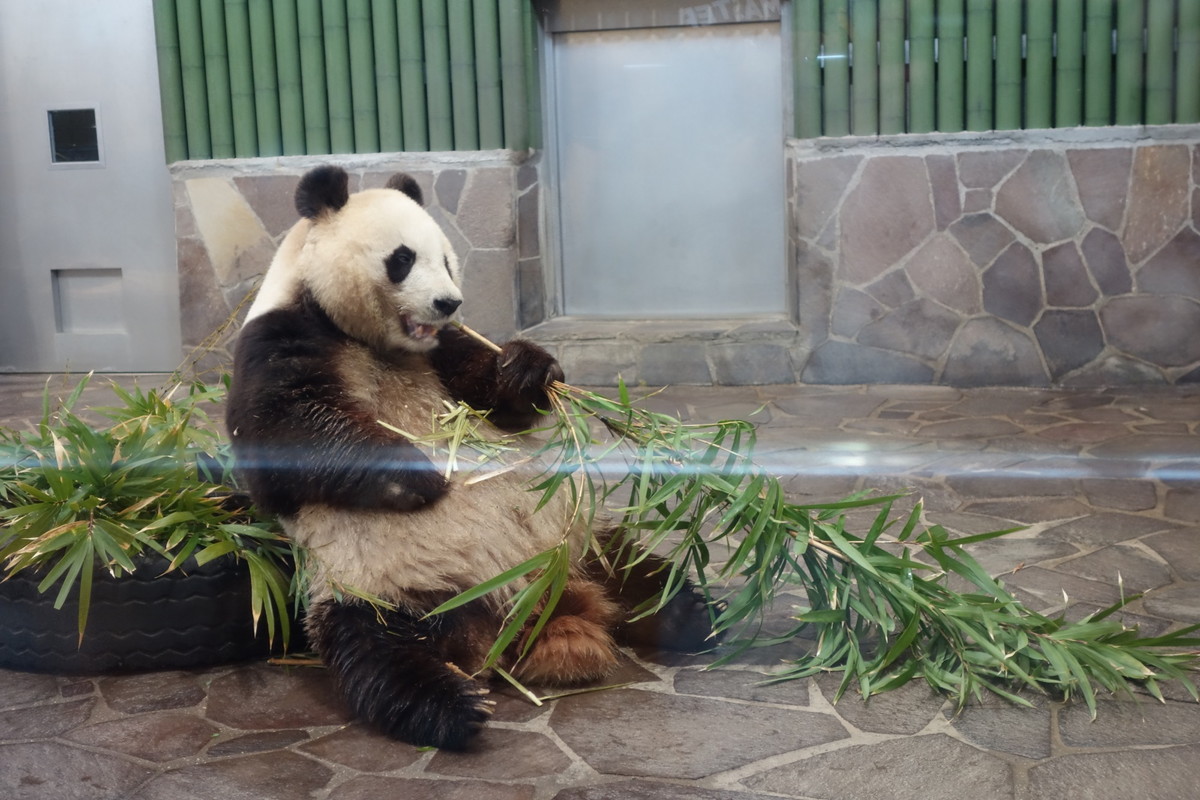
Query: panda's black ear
x=403, y=182
x=321, y=189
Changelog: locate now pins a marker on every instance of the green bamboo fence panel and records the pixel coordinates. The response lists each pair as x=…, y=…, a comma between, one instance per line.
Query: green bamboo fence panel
x=891, y=66
x=411, y=41
x=532, y=73
x=462, y=75
x=266, y=82
x=1160, y=61
x=195, y=85
x=216, y=78
x=1068, y=64
x=340, y=89
x=980, y=63
x=437, y=74
x=1009, y=84
x=287, y=65
x=363, y=96
x=387, y=75
x=806, y=68
x=950, y=71
x=1098, y=61
x=170, y=80
x=835, y=105
x=922, y=106
x=312, y=76
x=1187, y=67
x=241, y=79
x=1039, y=64
x=864, y=87
x=513, y=87
x=489, y=100
x=1131, y=21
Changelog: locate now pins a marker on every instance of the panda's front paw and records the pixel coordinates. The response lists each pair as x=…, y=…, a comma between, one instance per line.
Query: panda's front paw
x=525, y=371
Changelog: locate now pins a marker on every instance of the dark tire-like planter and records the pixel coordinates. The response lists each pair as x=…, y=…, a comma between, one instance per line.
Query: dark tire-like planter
x=195, y=616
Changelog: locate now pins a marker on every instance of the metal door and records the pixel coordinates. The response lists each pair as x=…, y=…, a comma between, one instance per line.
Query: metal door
x=88, y=276
x=670, y=145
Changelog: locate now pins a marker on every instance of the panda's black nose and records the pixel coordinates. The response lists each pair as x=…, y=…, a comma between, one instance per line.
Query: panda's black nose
x=447, y=305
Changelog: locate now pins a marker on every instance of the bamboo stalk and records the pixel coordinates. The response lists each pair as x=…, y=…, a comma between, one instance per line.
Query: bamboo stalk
x=1160, y=61
x=195, y=87
x=891, y=66
x=437, y=75
x=1039, y=64
x=514, y=91
x=409, y=36
x=1068, y=65
x=268, y=125
x=241, y=79
x=950, y=71
x=1131, y=21
x=864, y=88
x=1187, y=92
x=487, y=74
x=387, y=75
x=463, y=100
x=287, y=66
x=1098, y=63
x=922, y=111
x=340, y=89
x=835, y=99
x=170, y=80
x=1009, y=84
x=312, y=76
x=216, y=78
x=980, y=91
x=532, y=76
x=363, y=86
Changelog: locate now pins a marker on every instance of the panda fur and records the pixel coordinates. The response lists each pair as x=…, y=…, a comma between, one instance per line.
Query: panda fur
x=349, y=328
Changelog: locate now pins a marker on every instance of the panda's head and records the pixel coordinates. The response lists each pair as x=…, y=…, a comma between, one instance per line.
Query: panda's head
x=375, y=261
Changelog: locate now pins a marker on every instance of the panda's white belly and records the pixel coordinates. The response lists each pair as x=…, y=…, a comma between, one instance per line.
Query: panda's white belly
x=476, y=531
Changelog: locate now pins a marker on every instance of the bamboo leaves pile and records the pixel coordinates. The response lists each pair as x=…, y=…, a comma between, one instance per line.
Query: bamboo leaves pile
x=878, y=605
x=75, y=497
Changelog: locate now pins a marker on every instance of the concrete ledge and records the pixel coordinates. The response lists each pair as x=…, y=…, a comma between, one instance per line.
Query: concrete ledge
x=742, y=351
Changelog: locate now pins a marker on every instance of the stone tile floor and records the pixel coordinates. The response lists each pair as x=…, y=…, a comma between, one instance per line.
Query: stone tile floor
x=1105, y=482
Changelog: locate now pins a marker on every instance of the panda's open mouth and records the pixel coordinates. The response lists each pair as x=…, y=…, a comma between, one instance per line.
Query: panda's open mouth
x=418, y=330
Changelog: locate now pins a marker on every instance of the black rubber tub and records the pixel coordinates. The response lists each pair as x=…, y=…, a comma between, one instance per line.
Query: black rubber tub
x=195, y=616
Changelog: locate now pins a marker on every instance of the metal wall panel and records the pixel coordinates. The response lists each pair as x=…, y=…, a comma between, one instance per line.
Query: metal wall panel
x=88, y=275
x=671, y=171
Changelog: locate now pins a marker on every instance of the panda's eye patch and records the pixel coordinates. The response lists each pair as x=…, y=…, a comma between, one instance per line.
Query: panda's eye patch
x=399, y=263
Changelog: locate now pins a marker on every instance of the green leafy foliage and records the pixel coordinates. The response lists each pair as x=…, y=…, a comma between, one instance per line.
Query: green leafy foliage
x=76, y=497
x=877, y=605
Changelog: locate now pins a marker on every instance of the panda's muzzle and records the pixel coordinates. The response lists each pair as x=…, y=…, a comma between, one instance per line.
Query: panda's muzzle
x=418, y=330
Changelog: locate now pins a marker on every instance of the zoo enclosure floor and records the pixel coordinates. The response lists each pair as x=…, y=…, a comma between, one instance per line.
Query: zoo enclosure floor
x=1105, y=482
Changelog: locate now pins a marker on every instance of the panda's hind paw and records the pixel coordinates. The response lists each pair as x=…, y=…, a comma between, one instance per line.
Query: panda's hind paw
x=451, y=720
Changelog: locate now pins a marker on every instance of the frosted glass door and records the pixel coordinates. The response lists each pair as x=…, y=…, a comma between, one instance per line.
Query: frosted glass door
x=671, y=176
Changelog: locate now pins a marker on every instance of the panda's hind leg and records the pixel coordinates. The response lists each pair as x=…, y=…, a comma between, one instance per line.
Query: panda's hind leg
x=576, y=645
x=396, y=673
x=684, y=624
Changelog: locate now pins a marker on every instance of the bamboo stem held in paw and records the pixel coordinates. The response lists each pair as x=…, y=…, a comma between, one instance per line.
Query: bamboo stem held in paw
x=476, y=335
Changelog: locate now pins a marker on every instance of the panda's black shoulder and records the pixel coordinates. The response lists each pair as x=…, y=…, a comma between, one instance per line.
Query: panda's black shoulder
x=300, y=330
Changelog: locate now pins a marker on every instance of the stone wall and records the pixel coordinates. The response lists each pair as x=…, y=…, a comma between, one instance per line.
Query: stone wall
x=231, y=215
x=1025, y=259
x=1038, y=258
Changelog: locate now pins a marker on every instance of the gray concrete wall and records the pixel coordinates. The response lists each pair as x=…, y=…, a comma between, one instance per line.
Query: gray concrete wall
x=1027, y=259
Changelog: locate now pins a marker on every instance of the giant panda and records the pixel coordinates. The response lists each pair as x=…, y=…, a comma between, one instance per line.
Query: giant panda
x=350, y=328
